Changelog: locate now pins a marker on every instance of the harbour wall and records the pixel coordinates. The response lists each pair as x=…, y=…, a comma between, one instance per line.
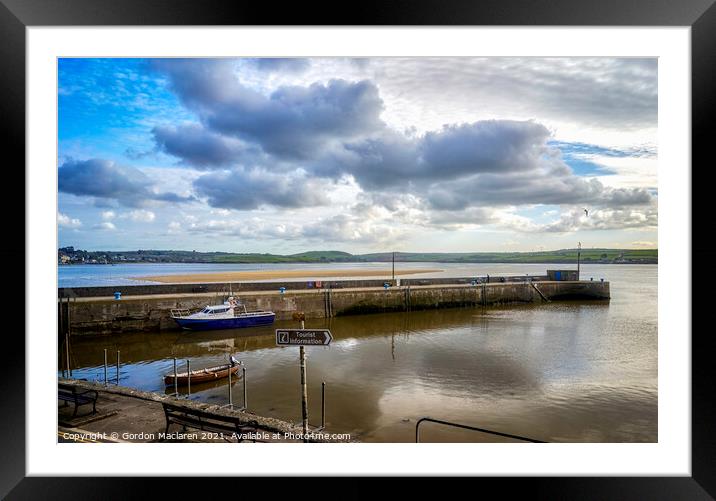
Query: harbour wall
x=238, y=287
x=151, y=312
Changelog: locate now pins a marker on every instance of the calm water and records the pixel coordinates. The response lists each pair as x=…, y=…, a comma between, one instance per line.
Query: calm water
x=88, y=275
x=563, y=371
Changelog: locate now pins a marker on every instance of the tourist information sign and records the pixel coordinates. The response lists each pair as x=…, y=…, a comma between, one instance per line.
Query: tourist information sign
x=303, y=337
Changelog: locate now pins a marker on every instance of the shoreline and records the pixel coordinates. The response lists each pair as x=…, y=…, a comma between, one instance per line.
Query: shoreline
x=235, y=276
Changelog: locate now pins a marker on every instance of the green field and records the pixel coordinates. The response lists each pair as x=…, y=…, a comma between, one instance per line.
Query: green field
x=558, y=256
x=649, y=256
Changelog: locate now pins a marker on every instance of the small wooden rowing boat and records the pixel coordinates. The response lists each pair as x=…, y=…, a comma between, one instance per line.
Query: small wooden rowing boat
x=203, y=375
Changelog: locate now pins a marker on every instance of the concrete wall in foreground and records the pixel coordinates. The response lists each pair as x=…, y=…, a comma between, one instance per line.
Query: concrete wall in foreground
x=107, y=316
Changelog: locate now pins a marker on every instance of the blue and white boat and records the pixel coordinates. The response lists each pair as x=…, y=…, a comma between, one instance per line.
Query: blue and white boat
x=230, y=315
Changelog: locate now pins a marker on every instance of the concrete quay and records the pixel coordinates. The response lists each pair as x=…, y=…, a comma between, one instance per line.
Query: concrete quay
x=151, y=312
x=129, y=415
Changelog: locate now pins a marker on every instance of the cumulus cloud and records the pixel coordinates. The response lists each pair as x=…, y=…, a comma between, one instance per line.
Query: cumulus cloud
x=353, y=228
x=455, y=151
x=473, y=216
x=282, y=64
x=614, y=93
x=249, y=189
x=461, y=174
x=199, y=147
x=330, y=130
x=65, y=221
x=346, y=227
x=106, y=180
x=292, y=122
x=488, y=163
x=574, y=219
x=372, y=150
x=254, y=228
x=605, y=219
x=140, y=215
x=105, y=226
x=551, y=187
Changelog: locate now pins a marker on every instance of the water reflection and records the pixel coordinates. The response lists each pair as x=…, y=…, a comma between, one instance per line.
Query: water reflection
x=185, y=391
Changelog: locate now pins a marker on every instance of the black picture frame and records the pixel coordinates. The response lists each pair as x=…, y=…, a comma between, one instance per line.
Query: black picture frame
x=700, y=15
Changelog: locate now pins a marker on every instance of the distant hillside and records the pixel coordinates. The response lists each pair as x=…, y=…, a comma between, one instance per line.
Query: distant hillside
x=558, y=256
x=324, y=256
x=70, y=255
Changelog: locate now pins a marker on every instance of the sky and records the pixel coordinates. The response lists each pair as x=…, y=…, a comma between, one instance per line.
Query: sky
x=420, y=154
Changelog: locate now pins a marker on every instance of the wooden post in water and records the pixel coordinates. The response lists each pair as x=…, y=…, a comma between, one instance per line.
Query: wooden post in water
x=304, y=390
x=323, y=405
x=243, y=373
x=69, y=331
x=60, y=332
x=67, y=339
x=188, y=379
x=69, y=328
x=231, y=402
x=67, y=353
x=176, y=379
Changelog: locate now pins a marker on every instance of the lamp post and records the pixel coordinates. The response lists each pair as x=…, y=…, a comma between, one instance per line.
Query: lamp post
x=393, y=267
x=579, y=251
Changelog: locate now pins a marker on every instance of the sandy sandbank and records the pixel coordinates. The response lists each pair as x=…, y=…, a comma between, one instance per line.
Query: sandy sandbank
x=234, y=276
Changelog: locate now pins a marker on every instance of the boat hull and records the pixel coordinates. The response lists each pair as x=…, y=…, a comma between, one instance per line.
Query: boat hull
x=238, y=322
x=202, y=376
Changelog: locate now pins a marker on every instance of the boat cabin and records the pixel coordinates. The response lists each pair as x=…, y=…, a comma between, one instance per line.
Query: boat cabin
x=212, y=310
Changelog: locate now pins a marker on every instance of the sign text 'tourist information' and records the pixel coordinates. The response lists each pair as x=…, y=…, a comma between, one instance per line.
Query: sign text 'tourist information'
x=303, y=337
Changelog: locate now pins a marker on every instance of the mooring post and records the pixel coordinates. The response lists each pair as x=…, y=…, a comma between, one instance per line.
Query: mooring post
x=231, y=402
x=176, y=380
x=323, y=405
x=69, y=330
x=67, y=353
x=60, y=331
x=105, y=366
x=117, y=367
x=243, y=373
x=188, y=379
x=304, y=390
x=69, y=333
x=61, y=317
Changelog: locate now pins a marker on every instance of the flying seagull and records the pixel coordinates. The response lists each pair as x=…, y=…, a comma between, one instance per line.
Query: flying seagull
x=586, y=212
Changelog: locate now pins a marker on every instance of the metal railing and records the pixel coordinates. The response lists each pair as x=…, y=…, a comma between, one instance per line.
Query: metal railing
x=106, y=381
x=546, y=299
x=472, y=428
x=179, y=312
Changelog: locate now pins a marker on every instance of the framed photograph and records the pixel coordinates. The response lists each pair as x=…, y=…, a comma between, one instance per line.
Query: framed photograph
x=455, y=227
